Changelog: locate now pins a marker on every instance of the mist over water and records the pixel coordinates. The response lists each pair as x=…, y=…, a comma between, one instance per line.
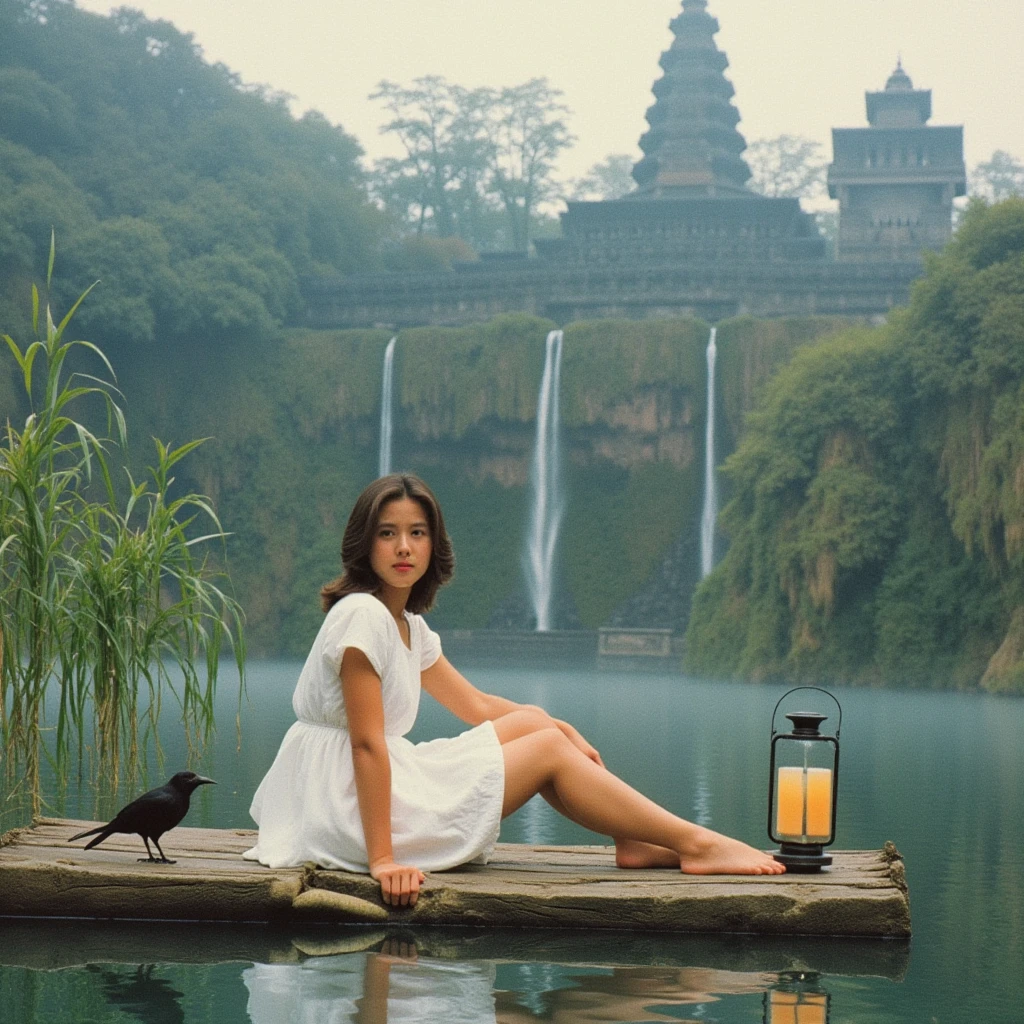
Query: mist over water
x=547, y=502
x=386, y=413
x=699, y=748
x=710, y=514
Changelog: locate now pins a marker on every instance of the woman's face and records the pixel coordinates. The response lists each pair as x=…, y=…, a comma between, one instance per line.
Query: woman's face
x=402, y=545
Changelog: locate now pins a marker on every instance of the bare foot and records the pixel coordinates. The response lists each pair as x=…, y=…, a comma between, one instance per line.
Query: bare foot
x=631, y=853
x=710, y=853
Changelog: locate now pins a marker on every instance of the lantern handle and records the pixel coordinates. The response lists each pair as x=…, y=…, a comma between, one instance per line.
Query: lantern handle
x=820, y=690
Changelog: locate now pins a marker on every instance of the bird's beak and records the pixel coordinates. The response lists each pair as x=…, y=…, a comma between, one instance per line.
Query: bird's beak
x=200, y=781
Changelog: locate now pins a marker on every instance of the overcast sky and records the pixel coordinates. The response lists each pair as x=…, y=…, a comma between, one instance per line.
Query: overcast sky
x=799, y=66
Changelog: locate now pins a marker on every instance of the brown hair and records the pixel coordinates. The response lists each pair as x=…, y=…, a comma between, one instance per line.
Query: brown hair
x=357, y=575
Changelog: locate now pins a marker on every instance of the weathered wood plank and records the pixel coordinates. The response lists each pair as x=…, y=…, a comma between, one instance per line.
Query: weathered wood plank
x=43, y=875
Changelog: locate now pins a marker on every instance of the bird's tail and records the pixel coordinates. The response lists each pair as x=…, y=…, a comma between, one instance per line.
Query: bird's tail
x=92, y=832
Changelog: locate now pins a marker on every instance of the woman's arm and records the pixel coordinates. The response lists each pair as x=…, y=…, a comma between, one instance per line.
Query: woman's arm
x=371, y=763
x=451, y=688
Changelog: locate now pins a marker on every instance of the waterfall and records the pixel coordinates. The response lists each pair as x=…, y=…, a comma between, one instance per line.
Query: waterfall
x=545, y=485
x=710, y=513
x=386, y=398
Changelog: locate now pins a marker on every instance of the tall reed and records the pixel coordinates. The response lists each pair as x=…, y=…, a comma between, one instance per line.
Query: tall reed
x=101, y=593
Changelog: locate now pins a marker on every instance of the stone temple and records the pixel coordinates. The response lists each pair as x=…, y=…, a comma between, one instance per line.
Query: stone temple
x=896, y=180
x=692, y=239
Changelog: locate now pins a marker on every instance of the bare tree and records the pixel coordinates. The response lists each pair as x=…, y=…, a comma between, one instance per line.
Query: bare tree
x=789, y=166
x=525, y=127
x=999, y=178
x=612, y=178
x=439, y=128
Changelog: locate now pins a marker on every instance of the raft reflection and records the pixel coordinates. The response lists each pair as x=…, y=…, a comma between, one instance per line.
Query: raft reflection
x=219, y=974
x=396, y=984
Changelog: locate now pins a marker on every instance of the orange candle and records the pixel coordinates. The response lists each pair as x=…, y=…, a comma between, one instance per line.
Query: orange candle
x=789, y=803
x=819, y=803
x=803, y=808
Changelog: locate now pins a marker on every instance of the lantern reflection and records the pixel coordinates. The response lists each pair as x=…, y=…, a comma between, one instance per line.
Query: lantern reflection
x=797, y=998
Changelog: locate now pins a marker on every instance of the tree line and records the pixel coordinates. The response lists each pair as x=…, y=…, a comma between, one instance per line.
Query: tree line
x=199, y=201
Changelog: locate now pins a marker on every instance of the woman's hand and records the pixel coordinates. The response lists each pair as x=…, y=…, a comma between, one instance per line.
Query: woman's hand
x=578, y=741
x=399, y=883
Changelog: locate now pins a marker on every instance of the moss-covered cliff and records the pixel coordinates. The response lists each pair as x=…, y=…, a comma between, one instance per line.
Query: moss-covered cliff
x=294, y=428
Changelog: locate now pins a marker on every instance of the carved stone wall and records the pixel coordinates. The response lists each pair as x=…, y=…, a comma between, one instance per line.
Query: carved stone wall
x=710, y=291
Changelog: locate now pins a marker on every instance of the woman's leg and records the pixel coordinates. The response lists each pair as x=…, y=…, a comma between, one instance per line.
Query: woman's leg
x=598, y=800
x=629, y=853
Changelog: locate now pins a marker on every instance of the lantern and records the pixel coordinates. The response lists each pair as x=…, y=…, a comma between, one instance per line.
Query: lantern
x=802, y=788
x=796, y=998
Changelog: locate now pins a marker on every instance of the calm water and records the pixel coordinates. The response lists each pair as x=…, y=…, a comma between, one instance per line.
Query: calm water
x=942, y=775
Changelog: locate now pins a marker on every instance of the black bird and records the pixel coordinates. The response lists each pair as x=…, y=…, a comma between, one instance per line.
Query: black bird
x=151, y=815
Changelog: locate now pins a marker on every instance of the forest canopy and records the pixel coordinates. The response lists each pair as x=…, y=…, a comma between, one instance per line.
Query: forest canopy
x=198, y=199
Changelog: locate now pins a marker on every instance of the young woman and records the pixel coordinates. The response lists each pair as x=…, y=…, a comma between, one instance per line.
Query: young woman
x=348, y=790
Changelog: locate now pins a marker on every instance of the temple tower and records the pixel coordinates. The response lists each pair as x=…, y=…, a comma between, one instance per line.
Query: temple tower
x=896, y=180
x=691, y=205
x=692, y=148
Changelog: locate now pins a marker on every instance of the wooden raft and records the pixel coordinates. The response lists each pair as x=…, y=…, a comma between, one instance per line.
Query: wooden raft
x=864, y=893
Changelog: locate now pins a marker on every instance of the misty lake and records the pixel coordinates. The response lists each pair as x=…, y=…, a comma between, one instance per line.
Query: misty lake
x=941, y=775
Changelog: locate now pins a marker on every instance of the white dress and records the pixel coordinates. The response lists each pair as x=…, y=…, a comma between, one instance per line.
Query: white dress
x=446, y=794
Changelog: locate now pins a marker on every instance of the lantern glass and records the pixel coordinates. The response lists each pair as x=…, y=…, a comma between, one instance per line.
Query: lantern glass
x=797, y=998
x=797, y=1007
x=804, y=779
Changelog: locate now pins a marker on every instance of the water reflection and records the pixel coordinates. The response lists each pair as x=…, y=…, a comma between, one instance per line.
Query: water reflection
x=371, y=976
x=396, y=984
x=140, y=995
x=384, y=987
x=941, y=774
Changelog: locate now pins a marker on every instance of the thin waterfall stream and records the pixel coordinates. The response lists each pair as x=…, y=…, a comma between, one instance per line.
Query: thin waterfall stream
x=709, y=516
x=386, y=413
x=546, y=499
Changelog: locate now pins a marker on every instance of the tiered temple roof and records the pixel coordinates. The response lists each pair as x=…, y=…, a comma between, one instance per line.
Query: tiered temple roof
x=692, y=148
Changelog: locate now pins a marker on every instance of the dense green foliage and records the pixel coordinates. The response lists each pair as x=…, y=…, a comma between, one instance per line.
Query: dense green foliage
x=197, y=200
x=751, y=351
x=877, y=516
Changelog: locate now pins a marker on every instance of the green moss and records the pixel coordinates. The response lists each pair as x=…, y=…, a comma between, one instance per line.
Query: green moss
x=938, y=611
x=619, y=524
x=487, y=524
x=451, y=379
x=284, y=463
x=332, y=376
x=610, y=363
